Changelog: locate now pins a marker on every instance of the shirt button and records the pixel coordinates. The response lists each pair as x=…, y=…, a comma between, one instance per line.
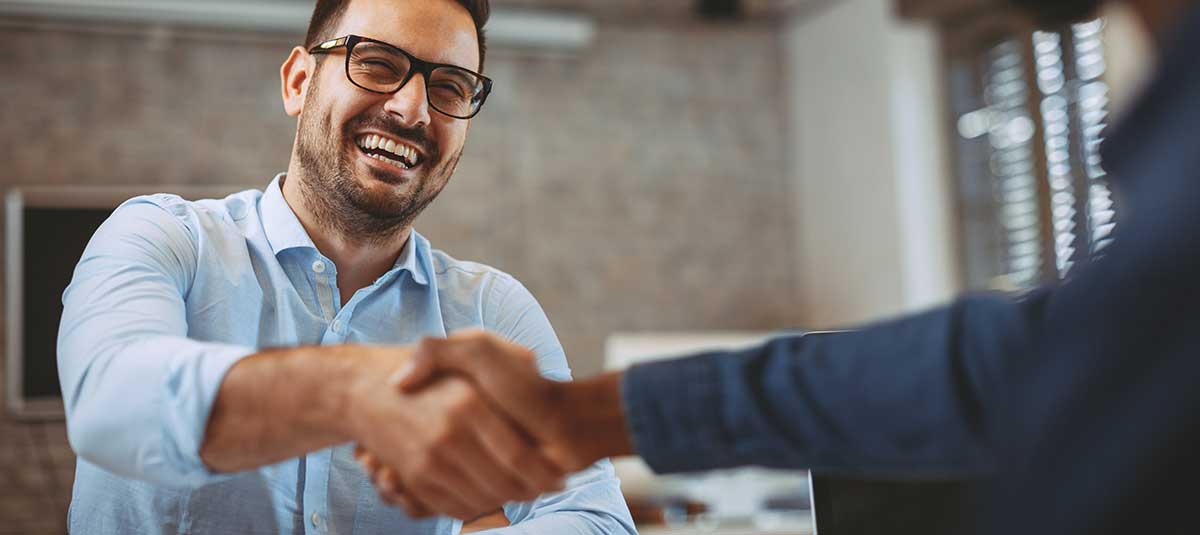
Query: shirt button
x=316, y=519
x=319, y=267
x=337, y=326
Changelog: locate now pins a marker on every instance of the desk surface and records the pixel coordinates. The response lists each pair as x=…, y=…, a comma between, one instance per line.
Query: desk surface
x=691, y=530
x=793, y=526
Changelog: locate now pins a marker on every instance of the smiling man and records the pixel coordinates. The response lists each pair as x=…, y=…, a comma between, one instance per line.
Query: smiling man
x=184, y=419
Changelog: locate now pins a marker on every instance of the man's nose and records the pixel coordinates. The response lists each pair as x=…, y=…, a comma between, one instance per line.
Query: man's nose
x=410, y=103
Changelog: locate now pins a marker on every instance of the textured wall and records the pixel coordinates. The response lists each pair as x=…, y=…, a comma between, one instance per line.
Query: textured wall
x=637, y=185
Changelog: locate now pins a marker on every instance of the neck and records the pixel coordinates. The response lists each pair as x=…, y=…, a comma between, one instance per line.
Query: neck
x=1159, y=17
x=356, y=259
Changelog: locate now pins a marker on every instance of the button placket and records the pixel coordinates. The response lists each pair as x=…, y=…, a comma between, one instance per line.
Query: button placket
x=326, y=287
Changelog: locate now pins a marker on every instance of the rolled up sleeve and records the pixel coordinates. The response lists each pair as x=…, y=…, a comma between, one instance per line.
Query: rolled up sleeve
x=137, y=390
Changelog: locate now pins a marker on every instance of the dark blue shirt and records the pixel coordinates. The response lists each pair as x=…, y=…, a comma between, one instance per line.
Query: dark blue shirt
x=1076, y=407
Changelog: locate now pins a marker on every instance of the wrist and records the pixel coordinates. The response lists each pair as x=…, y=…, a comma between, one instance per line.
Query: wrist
x=593, y=419
x=362, y=373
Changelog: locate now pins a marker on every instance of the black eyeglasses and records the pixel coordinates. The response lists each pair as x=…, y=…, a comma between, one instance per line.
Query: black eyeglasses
x=382, y=68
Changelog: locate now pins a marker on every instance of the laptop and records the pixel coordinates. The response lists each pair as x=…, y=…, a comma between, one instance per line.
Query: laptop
x=849, y=506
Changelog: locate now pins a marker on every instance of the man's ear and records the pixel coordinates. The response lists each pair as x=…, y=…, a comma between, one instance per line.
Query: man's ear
x=295, y=75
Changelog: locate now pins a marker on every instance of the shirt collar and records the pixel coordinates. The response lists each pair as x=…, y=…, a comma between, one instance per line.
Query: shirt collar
x=284, y=231
x=282, y=228
x=415, y=259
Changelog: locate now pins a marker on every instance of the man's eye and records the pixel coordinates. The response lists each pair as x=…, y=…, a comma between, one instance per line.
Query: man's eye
x=378, y=64
x=453, y=89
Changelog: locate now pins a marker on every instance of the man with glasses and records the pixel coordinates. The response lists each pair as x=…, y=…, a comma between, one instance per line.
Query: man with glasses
x=220, y=359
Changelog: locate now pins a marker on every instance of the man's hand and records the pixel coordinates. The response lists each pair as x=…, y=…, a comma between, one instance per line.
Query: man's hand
x=574, y=424
x=454, y=452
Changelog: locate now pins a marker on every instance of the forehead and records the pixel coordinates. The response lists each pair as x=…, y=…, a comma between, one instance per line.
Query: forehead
x=440, y=31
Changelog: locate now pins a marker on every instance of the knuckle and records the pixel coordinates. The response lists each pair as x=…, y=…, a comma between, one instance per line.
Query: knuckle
x=445, y=439
x=514, y=457
x=459, y=410
x=488, y=340
x=465, y=403
x=527, y=355
x=421, y=465
x=446, y=431
x=414, y=511
x=476, y=340
x=522, y=456
x=428, y=345
x=514, y=487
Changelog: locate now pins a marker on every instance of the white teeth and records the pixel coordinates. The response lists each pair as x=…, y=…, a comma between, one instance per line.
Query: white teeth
x=374, y=141
x=389, y=161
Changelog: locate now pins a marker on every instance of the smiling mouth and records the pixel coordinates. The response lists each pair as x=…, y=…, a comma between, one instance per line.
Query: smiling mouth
x=389, y=151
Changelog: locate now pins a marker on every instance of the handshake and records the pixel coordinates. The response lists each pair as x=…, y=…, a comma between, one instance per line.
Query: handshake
x=468, y=424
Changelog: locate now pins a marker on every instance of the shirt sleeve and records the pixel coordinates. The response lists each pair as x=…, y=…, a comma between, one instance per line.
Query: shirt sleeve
x=896, y=399
x=137, y=391
x=592, y=502
x=972, y=389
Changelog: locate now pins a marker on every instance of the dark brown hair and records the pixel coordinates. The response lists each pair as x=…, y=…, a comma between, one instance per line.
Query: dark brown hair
x=328, y=13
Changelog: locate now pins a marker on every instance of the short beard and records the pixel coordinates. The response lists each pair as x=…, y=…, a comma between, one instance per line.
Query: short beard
x=337, y=200
x=1057, y=13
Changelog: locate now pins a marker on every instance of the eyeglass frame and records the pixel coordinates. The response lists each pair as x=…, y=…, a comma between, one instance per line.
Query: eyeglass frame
x=426, y=68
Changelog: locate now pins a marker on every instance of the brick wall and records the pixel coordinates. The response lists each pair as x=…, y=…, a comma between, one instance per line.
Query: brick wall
x=637, y=185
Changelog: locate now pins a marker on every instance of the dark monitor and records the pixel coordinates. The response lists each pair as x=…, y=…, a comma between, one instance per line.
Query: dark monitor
x=46, y=232
x=849, y=506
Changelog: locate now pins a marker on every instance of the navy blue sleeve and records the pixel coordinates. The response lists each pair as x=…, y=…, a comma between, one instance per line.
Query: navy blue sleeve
x=959, y=390
x=900, y=398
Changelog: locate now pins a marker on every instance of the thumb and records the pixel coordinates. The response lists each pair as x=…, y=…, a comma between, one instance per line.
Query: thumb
x=422, y=365
x=498, y=368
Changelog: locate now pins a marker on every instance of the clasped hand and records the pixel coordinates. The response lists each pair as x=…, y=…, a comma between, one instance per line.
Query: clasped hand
x=467, y=425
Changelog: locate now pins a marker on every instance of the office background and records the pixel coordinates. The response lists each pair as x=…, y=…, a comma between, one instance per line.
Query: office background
x=789, y=167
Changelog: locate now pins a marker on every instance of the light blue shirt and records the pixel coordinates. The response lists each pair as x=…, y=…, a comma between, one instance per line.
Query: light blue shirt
x=170, y=293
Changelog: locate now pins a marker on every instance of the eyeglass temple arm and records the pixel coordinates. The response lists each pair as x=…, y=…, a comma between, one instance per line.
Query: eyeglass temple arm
x=328, y=45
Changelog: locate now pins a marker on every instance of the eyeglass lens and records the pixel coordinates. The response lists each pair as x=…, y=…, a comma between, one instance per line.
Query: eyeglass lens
x=377, y=67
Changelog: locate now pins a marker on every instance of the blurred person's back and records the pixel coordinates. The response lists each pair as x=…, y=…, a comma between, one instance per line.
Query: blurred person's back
x=1107, y=430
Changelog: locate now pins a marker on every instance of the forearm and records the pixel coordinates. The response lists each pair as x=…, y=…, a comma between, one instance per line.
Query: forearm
x=282, y=403
x=908, y=397
x=593, y=419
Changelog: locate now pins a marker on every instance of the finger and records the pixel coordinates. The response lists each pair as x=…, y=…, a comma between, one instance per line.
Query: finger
x=527, y=472
x=480, y=479
x=369, y=463
x=437, y=496
x=507, y=373
x=387, y=485
x=422, y=500
x=420, y=368
x=413, y=507
x=442, y=481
